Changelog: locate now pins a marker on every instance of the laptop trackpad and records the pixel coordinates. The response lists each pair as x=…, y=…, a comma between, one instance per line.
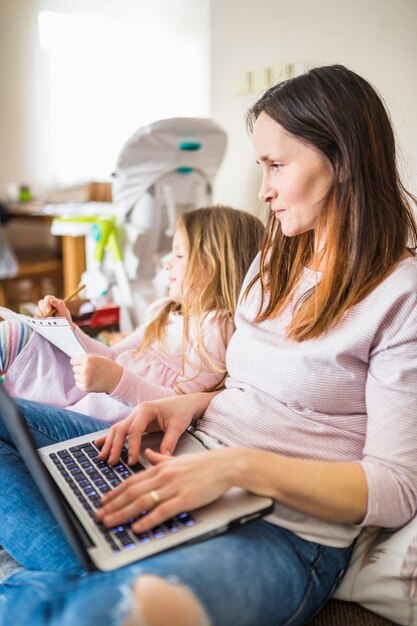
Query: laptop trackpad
x=187, y=443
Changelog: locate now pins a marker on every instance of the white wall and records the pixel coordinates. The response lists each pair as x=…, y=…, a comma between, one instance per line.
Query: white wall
x=376, y=38
x=20, y=114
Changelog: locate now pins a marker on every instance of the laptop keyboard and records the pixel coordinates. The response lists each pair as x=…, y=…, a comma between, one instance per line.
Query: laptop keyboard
x=90, y=478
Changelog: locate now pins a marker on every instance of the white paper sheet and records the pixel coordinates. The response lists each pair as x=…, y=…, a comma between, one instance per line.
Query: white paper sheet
x=57, y=330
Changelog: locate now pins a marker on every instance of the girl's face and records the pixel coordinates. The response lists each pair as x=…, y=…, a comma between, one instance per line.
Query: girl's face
x=176, y=266
x=295, y=176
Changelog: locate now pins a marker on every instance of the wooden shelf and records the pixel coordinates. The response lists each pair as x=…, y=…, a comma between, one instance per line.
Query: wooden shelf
x=36, y=265
x=35, y=262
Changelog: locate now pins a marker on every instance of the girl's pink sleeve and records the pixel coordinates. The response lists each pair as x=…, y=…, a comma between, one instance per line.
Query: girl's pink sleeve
x=200, y=374
x=134, y=389
x=93, y=346
x=131, y=342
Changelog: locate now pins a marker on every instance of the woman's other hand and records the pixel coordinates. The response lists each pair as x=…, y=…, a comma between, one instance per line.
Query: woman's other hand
x=171, y=486
x=96, y=373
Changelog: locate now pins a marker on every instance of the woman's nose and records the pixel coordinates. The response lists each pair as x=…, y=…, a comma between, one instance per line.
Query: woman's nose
x=266, y=193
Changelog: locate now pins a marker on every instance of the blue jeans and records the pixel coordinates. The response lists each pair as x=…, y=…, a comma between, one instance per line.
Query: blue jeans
x=256, y=575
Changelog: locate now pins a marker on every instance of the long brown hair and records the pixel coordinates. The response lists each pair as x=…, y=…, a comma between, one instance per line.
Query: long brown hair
x=367, y=217
x=221, y=244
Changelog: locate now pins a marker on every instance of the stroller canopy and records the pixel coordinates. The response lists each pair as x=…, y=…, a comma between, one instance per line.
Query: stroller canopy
x=182, y=145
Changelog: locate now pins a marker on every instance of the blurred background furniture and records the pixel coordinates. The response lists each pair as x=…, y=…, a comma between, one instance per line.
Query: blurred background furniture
x=73, y=248
x=40, y=267
x=54, y=267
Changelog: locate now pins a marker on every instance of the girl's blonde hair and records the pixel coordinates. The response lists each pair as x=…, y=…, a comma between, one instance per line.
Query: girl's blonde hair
x=221, y=244
x=368, y=216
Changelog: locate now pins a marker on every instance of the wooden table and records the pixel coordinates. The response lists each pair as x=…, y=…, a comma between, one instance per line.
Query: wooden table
x=73, y=248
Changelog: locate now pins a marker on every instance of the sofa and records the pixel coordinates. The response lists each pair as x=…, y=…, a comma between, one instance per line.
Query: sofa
x=379, y=587
x=340, y=613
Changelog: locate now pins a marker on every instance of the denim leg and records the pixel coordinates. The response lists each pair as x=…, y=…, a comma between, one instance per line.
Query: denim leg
x=65, y=599
x=256, y=575
x=39, y=543
x=28, y=530
x=50, y=424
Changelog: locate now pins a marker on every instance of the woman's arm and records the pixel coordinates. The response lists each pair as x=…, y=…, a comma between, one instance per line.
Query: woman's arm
x=327, y=490
x=378, y=489
x=335, y=492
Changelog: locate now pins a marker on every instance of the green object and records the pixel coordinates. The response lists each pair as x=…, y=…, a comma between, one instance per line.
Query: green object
x=104, y=232
x=24, y=193
x=185, y=170
x=79, y=218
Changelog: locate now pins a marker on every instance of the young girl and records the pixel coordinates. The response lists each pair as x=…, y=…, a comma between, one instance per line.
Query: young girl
x=180, y=350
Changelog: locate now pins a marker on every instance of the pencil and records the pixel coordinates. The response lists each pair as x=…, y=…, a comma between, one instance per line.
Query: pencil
x=67, y=299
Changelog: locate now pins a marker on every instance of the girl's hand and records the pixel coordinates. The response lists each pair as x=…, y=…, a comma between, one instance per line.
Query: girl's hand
x=96, y=373
x=178, y=484
x=171, y=415
x=50, y=302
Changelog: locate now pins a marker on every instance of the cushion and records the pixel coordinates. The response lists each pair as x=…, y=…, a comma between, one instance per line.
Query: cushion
x=382, y=574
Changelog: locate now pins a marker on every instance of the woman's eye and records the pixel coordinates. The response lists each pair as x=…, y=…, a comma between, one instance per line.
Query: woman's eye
x=277, y=166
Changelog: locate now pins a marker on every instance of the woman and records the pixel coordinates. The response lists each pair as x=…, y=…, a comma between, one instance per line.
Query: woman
x=319, y=407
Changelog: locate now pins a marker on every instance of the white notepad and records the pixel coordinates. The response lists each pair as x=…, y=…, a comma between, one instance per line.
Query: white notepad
x=57, y=330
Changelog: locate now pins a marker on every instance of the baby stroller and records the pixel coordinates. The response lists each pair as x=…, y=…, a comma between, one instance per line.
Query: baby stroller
x=163, y=169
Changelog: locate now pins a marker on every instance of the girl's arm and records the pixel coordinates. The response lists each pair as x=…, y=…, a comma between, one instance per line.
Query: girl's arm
x=133, y=389
x=98, y=370
x=199, y=370
x=93, y=346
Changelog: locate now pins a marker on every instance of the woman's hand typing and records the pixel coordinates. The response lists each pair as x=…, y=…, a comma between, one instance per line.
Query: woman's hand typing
x=171, y=415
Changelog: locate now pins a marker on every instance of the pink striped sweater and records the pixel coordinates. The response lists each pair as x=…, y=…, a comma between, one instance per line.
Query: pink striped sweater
x=350, y=395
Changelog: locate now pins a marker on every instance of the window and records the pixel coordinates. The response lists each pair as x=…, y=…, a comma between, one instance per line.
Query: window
x=111, y=66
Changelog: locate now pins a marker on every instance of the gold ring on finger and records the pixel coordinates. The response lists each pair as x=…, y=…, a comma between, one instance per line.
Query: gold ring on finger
x=155, y=497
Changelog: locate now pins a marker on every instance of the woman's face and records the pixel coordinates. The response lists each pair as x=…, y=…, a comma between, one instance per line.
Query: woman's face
x=295, y=176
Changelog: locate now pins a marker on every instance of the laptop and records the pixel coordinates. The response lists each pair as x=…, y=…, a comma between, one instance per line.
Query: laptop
x=72, y=481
